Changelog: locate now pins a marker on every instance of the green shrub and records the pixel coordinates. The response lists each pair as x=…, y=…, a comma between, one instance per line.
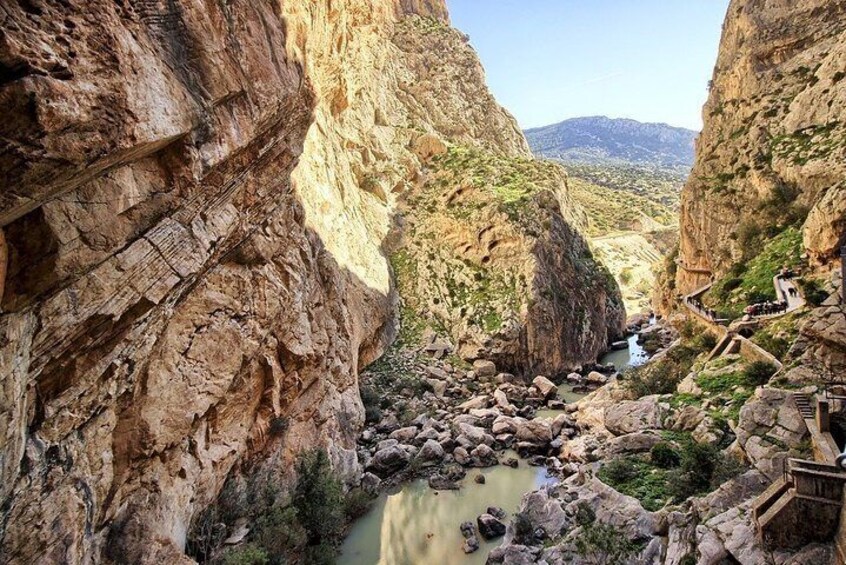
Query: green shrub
x=759, y=373
x=663, y=375
x=278, y=532
x=321, y=554
x=636, y=477
x=356, y=503
x=664, y=455
x=524, y=531
x=688, y=559
x=620, y=471
x=318, y=499
x=660, y=377
x=813, y=292
x=585, y=515
x=604, y=544
x=247, y=554
x=703, y=468
x=370, y=399
x=705, y=342
x=778, y=346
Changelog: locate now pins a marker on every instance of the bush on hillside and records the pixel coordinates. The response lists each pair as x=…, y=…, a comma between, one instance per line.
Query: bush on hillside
x=813, y=292
x=759, y=373
x=370, y=399
x=663, y=375
x=620, y=470
x=247, y=554
x=318, y=499
x=703, y=467
x=664, y=455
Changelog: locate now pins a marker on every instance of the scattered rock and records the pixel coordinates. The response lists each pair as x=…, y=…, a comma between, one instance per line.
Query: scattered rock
x=370, y=483
x=430, y=454
x=471, y=545
x=389, y=460
x=484, y=369
x=631, y=416
x=546, y=387
x=404, y=435
x=497, y=512
x=474, y=403
x=484, y=456
x=490, y=527
x=440, y=482
x=596, y=379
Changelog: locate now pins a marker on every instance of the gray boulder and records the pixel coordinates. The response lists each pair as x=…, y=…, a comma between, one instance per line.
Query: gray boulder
x=430, y=454
x=490, y=527
x=389, y=460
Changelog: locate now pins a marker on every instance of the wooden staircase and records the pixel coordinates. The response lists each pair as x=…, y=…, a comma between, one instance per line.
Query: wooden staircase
x=805, y=405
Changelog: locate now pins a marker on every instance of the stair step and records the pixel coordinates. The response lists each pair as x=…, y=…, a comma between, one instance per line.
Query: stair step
x=805, y=405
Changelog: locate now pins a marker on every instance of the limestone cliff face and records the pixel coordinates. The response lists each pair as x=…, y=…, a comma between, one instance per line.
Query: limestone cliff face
x=487, y=249
x=200, y=200
x=773, y=147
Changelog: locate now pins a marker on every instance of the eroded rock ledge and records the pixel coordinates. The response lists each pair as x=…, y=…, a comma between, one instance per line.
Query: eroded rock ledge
x=197, y=204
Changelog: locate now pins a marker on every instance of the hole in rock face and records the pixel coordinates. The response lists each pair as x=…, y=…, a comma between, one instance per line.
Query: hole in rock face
x=32, y=248
x=486, y=259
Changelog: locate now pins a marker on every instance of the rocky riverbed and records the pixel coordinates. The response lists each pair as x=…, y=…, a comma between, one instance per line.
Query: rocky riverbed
x=633, y=477
x=438, y=427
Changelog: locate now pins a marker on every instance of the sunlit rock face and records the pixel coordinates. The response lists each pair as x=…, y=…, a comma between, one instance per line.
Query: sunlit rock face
x=199, y=202
x=772, y=148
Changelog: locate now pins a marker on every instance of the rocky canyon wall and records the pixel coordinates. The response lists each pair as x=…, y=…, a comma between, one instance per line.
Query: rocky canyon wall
x=772, y=150
x=199, y=206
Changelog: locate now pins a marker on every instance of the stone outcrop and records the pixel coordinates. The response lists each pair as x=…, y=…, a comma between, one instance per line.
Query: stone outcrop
x=199, y=199
x=771, y=152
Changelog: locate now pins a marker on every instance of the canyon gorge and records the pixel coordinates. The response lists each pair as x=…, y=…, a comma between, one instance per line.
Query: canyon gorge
x=233, y=233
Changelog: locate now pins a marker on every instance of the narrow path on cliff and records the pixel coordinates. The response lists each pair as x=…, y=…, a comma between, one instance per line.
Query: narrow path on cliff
x=788, y=300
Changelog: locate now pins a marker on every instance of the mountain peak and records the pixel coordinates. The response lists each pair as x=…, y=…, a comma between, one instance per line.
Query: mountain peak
x=604, y=140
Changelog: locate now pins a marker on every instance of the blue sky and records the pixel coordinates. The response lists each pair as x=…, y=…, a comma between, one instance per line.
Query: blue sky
x=549, y=60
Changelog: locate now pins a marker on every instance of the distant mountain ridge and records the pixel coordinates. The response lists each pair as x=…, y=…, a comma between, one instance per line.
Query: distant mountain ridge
x=599, y=140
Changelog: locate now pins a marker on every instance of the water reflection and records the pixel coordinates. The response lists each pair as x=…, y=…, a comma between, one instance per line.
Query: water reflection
x=416, y=525
x=634, y=356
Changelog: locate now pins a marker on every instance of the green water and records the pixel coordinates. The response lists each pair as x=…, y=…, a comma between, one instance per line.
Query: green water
x=565, y=393
x=634, y=356
x=418, y=525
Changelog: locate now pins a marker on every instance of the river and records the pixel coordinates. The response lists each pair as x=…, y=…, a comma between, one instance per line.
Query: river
x=418, y=525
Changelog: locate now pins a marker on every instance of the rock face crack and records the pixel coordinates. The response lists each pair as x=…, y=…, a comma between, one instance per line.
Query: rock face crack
x=230, y=177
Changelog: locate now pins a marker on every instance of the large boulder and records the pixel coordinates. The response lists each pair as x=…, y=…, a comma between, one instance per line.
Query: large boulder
x=632, y=416
x=638, y=442
x=474, y=403
x=537, y=431
x=505, y=425
x=471, y=436
x=490, y=527
x=483, y=456
x=404, y=435
x=545, y=386
x=430, y=454
x=389, y=460
x=544, y=512
x=611, y=507
x=484, y=369
x=770, y=427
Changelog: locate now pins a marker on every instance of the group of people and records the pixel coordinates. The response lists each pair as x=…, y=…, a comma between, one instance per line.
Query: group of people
x=702, y=309
x=767, y=308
